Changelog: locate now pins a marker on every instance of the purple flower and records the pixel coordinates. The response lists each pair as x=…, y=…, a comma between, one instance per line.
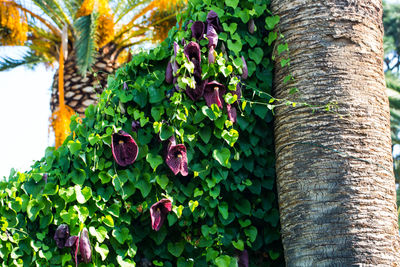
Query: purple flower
x=238, y=92
x=211, y=55
x=245, y=73
x=61, y=235
x=212, y=43
x=45, y=176
x=125, y=87
x=168, y=73
x=84, y=246
x=232, y=115
x=135, y=126
x=196, y=93
x=158, y=213
x=212, y=36
x=243, y=260
x=212, y=19
x=251, y=26
x=124, y=148
x=73, y=243
x=214, y=93
x=198, y=30
x=176, y=47
x=177, y=158
x=193, y=54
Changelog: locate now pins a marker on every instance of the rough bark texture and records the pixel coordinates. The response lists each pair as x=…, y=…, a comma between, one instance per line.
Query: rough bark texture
x=334, y=169
x=80, y=92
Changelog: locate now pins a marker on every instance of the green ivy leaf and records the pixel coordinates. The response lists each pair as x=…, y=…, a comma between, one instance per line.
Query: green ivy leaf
x=230, y=136
x=273, y=255
x=162, y=180
x=193, y=205
x=256, y=54
x=121, y=235
x=271, y=21
x=222, y=156
x=82, y=195
x=243, y=206
x=238, y=245
x=235, y=46
x=251, y=233
x=272, y=36
x=176, y=249
x=108, y=220
x=223, y=209
x=223, y=261
x=144, y=187
x=102, y=250
x=205, y=134
x=166, y=131
x=231, y=28
x=232, y=3
x=100, y=233
x=74, y=147
x=154, y=160
x=66, y=258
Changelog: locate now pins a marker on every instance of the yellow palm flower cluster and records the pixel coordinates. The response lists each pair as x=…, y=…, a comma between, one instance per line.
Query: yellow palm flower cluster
x=105, y=22
x=13, y=24
x=60, y=120
x=165, y=9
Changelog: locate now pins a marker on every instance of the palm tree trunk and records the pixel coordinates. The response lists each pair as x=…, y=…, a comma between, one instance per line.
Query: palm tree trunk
x=334, y=169
x=80, y=92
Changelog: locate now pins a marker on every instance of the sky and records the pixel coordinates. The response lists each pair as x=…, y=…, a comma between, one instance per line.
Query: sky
x=24, y=114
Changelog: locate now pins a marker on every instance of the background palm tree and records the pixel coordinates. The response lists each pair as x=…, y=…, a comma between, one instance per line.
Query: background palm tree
x=97, y=36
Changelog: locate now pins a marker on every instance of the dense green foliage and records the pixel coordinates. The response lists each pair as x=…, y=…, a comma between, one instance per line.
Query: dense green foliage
x=227, y=202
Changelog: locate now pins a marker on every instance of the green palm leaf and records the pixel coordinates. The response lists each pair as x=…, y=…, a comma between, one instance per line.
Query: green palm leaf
x=85, y=44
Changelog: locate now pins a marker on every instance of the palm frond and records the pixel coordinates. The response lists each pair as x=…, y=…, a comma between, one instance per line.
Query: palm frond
x=85, y=45
x=50, y=8
x=72, y=7
x=122, y=8
x=29, y=60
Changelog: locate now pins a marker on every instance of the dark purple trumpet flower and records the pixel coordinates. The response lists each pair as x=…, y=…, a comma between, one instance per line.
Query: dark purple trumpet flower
x=243, y=260
x=251, y=26
x=212, y=43
x=176, y=47
x=198, y=29
x=61, y=235
x=245, y=73
x=177, y=158
x=135, y=126
x=73, y=243
x=158, y=213
x=84, y=246
x=45, y=176
x=212, y=36
x=168, y=73
x=196, y=93
x=124, y=148
x=193, y=54
x=212, y=19
x=211, y=55
x=232, y=115
x=125, y=86
x=238, y=92
x=214, y=93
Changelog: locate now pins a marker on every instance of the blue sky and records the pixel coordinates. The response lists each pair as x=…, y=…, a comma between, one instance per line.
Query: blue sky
x=24, y=115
